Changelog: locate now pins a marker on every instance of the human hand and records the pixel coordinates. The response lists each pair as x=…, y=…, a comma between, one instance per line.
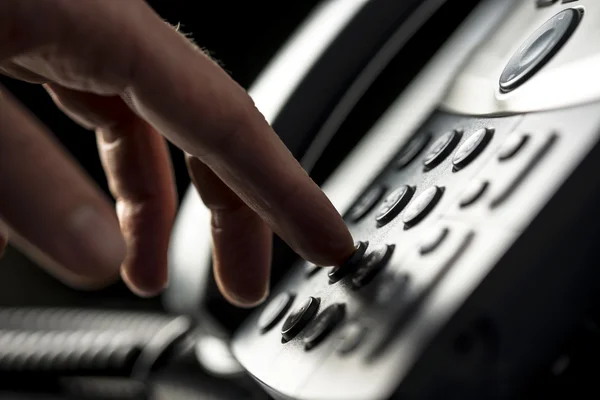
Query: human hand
x=116, y=68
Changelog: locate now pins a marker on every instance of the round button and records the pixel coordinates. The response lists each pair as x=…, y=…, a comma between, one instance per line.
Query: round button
x=393, y=204
x=422, y=205
x=342, y=270
x=474, y=191
x=365, y=203
x=471, y=147
x=350, y=337
x=274, y=311
x=511, y=146
x=434, y=240
x=441, y=148
x=371, y=265
x=412, y=150
x=323, y=325
x=538, y=49
x=298, y=319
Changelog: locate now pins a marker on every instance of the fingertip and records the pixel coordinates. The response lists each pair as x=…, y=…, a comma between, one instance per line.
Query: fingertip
x=239, y=291
x=241, y=256
x=244, y=299
x=145, y=288
x=325, y=247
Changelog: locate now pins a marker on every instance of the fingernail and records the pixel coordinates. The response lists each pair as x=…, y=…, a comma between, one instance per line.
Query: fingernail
x=98, y=242
x=244, y=302
x=243, y=297
x=139, y=290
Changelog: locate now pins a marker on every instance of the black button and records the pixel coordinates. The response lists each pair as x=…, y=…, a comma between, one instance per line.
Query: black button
x=365, y=203
x=350, y=337
x=474, y=191
x=441, y=148
x=472, y=147
x=310, y=269
x=274, y=311
x=393, y=204
x=545, y=3
x=323, y=325
x=434, y=240
x=538, y=49
x=340, y=271
x=412, y=150
x=422, y=205
x=512, y=145
x=298, y=319
x=371, y=265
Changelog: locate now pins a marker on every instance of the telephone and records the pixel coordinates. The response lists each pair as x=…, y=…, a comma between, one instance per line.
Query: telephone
x=469, y=187
x=460, y=141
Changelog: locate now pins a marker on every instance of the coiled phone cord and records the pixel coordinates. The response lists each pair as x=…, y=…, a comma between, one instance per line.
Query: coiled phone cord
x=42, y=345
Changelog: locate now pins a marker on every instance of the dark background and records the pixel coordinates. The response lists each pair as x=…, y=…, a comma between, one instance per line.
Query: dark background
x=243, y=36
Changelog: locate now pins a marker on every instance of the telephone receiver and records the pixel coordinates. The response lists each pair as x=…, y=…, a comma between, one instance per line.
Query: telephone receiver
x=321, y=92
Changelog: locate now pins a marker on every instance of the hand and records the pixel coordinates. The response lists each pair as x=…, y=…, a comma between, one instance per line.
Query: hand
x=116, y=68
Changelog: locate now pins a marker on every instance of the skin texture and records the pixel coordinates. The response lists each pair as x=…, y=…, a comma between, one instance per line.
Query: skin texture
x=117, y=69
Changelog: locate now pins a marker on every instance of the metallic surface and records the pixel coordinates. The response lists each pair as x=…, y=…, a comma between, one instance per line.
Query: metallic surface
x=569, y=78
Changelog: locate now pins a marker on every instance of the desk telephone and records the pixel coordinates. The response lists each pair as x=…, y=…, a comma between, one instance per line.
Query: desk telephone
x=460, y=140
x=471, y=198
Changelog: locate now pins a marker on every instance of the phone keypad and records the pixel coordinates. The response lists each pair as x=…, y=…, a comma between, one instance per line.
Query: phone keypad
x=414, y=228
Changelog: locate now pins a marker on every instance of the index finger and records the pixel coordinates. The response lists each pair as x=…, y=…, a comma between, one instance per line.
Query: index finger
x=207, y=114
x=117, y=47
